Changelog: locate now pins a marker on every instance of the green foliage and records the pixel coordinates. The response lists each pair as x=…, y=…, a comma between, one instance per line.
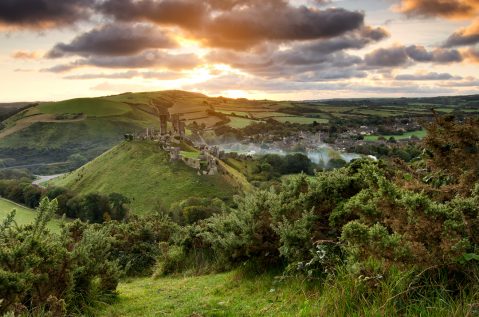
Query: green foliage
x=63, y=273
x=91, y=207
x=136, y=242
x=194, y=209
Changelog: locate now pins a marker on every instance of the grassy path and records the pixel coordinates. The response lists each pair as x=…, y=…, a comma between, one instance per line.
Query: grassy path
x=225, y=294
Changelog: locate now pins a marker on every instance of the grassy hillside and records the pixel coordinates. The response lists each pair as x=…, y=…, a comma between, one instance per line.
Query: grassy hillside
x=143, y=172
x=24, y=215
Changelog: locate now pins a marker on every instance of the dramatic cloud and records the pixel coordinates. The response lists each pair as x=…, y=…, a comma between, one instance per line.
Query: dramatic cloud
x=147, y=59
x=43, y=13
x=387, y=57
x=320, y=59
x=439, y=55
x=463, y=37
x=429, y=76
x=114, y=40
x=238, y=24
x=400, y=55
x=455, y=9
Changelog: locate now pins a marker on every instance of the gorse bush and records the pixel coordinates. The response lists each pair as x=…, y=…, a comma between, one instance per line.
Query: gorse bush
x=136, y=242
x=63, y=274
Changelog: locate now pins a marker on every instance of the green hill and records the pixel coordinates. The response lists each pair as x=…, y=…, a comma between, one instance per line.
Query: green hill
x=23, y=215
x=143, y=172
x=44, y=137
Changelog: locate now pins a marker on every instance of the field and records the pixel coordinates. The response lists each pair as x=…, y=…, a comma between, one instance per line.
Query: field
x=300, y=120
x=420, y=134
x=143, y=172
x=227, y=294
x=239, y=123
x=91, y=107
x=24, y=215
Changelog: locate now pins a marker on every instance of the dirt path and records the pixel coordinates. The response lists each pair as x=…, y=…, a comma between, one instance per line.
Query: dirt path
x=45, y=178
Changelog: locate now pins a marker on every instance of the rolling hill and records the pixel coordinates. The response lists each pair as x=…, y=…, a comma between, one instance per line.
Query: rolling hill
x=55, y=137
x=143, y=172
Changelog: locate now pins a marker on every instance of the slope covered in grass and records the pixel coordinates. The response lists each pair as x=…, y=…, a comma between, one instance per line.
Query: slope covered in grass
x=143, y=172
x=23, y=215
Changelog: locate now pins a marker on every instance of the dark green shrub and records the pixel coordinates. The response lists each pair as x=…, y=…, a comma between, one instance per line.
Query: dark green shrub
x=65, y=273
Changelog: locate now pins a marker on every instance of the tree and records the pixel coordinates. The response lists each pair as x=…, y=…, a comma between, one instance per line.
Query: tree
x=119, y=206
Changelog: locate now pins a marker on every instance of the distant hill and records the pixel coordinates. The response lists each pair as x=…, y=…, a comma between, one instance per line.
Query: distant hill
x=44, y=137
x=143, y=172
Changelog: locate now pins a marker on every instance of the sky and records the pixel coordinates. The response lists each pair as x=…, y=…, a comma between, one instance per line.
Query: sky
x=257, y=49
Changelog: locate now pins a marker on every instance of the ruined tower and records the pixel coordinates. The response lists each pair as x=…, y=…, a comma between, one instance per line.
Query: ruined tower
x=163, y=124
x=175, y=120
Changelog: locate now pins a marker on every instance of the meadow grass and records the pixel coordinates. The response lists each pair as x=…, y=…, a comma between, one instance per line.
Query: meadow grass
x=238, y=294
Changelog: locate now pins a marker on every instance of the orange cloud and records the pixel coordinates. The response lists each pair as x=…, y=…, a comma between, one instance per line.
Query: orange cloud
x=465, y=36
x=25, y=55
x=471, y=55
x=450, y=9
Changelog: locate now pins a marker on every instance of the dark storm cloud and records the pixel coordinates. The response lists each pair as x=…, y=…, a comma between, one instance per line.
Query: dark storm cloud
x=400, y=56
x=147, y=59
x=43, y=13
x=429, y=76
x=238, y=24
x=443, y=8
x=114, y=40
